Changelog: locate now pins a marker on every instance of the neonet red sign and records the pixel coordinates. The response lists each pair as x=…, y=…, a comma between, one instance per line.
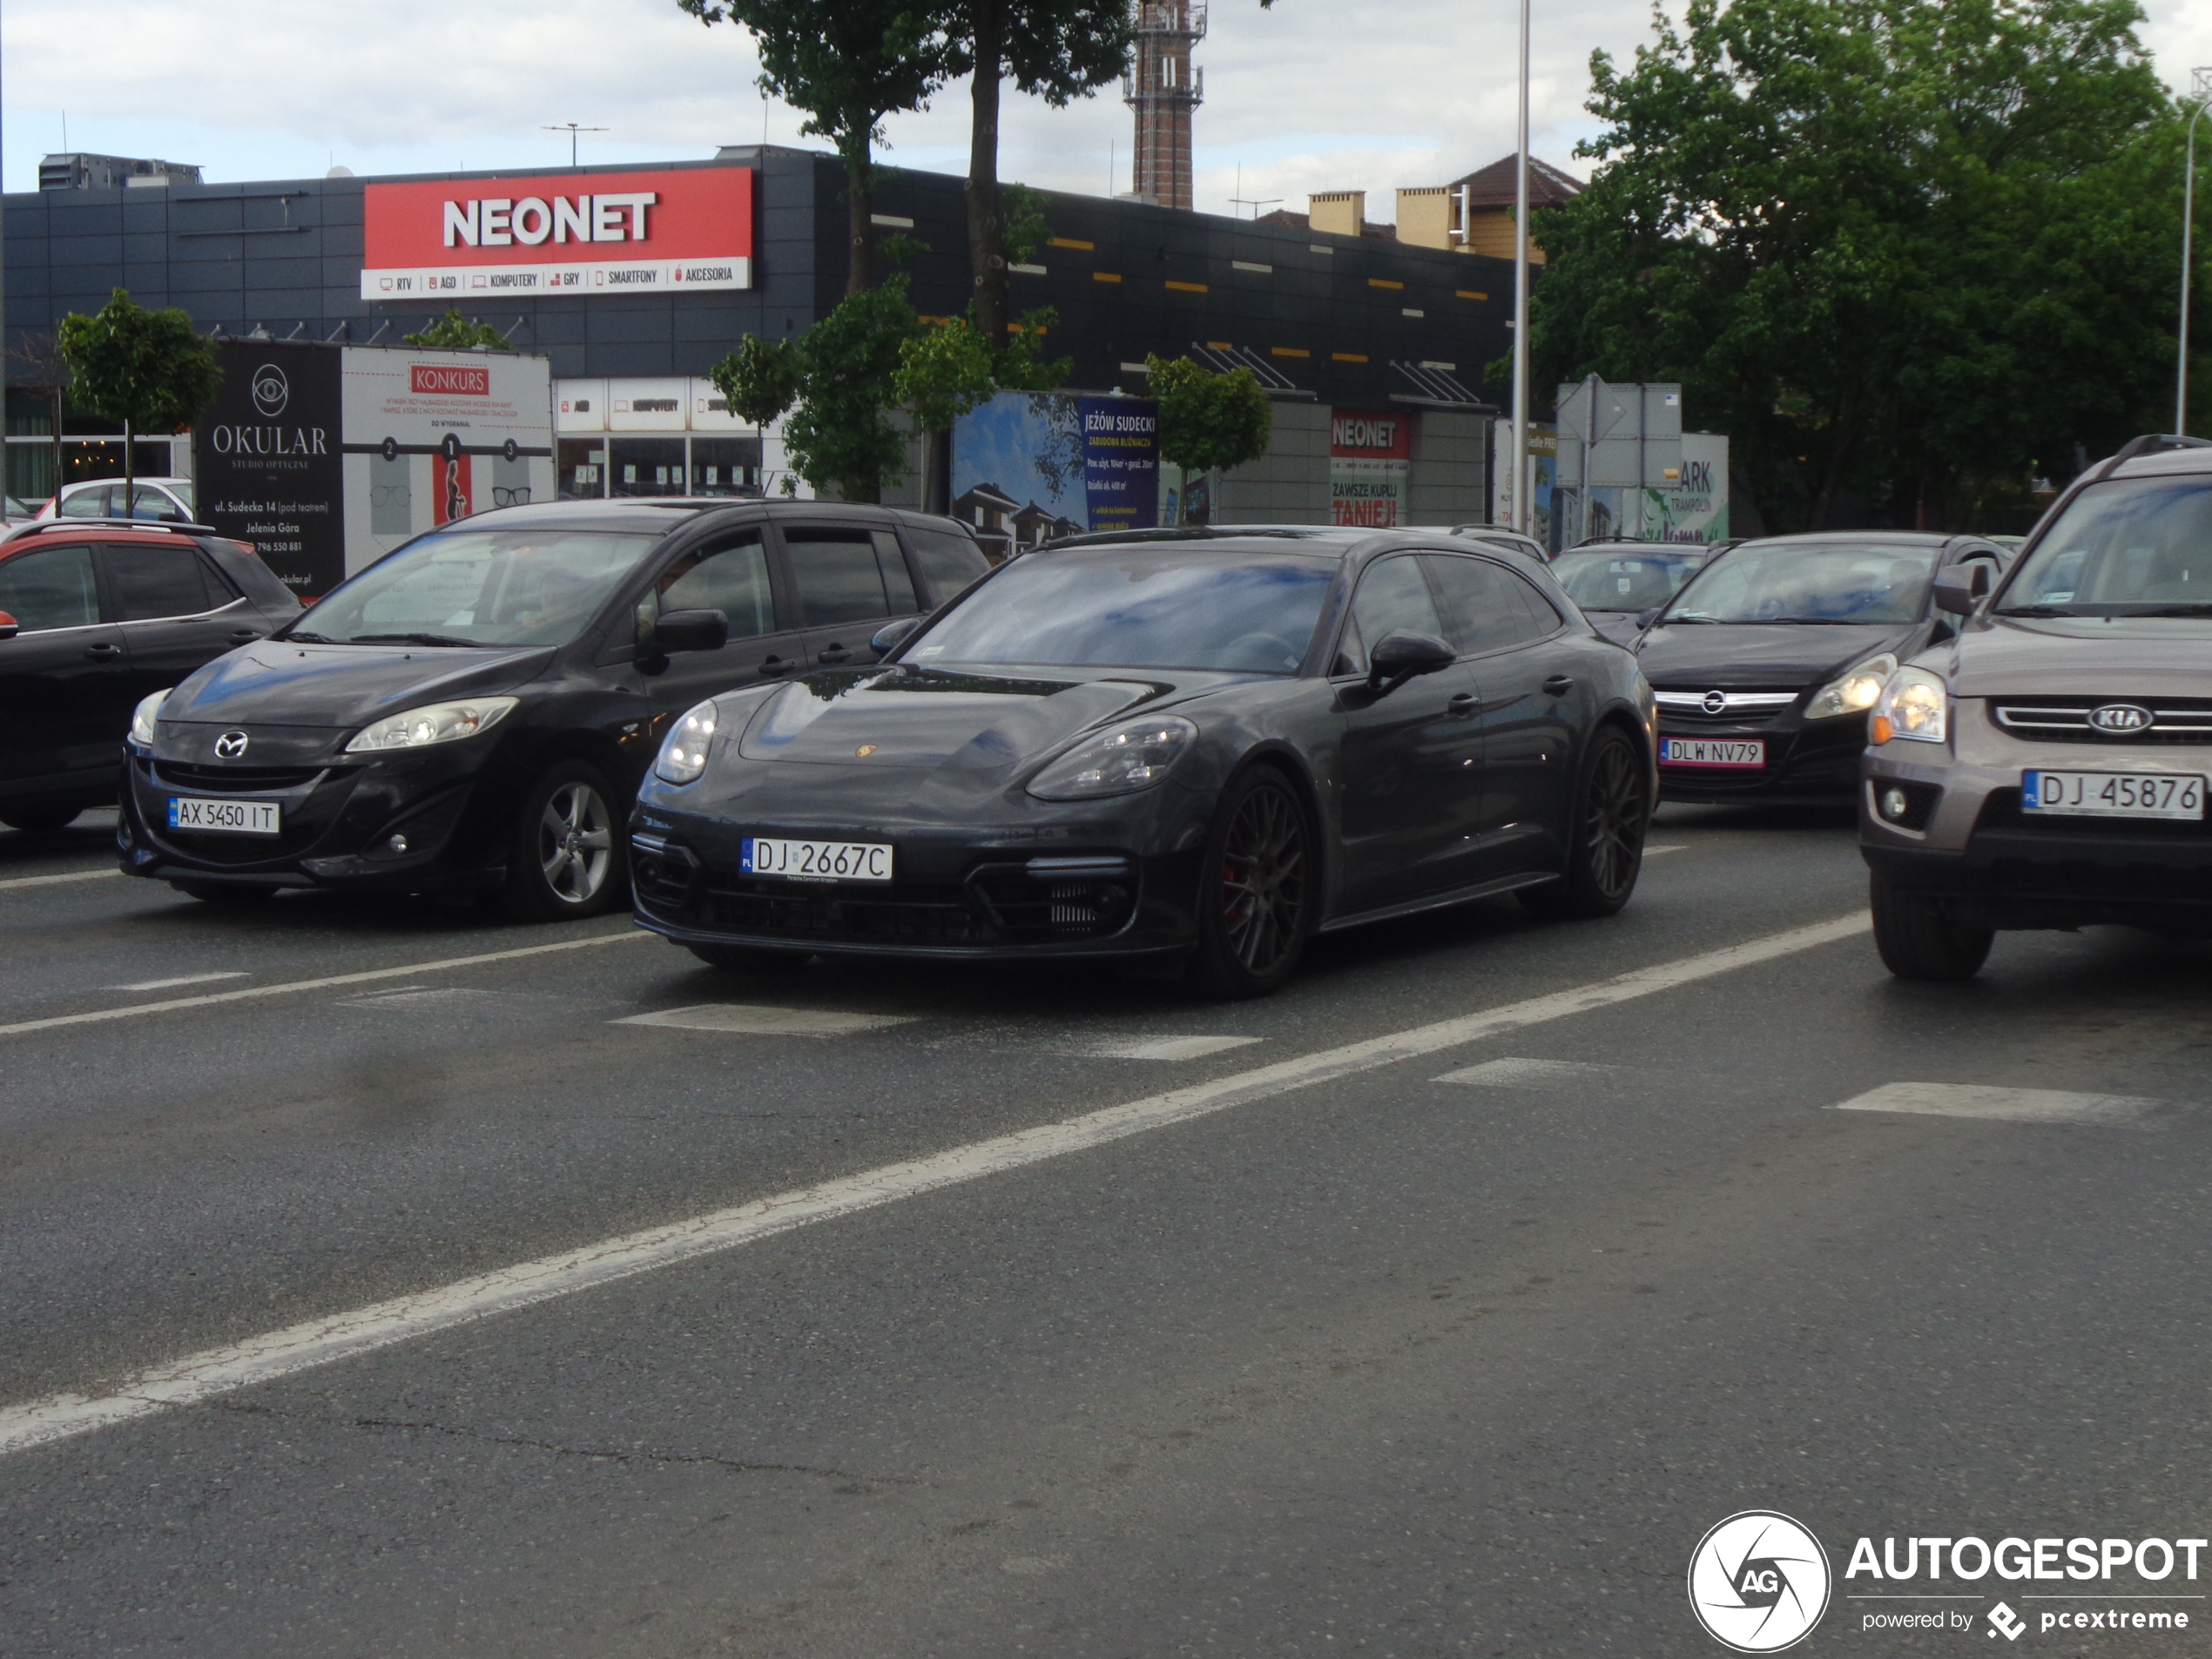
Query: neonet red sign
x=559, y=234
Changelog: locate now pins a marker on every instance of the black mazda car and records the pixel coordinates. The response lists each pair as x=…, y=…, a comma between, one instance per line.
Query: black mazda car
x=1195, y=746
x=1766, y=661
x=473, y=712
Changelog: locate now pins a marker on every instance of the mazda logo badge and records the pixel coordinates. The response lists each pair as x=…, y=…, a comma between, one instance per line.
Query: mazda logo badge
x=1717, y=702
x=231, y=745
x=2121, y=716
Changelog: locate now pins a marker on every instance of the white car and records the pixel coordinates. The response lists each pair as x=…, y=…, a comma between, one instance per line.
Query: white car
x=168, y=499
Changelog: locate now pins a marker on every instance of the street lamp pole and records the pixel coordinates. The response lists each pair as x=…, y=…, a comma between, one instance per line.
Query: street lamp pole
x=1522, y=518
x=2200, y=90
x=572, y=129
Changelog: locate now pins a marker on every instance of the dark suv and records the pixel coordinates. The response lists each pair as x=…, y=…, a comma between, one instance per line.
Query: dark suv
x=93, y=617
x=474, y=710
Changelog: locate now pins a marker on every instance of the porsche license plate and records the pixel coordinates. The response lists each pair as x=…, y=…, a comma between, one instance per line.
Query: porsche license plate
x=2112, y=794
x=815, y=861
x=225, y=817
x=1712, y=751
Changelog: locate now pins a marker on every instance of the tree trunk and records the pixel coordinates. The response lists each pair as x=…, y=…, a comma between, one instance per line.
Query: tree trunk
x=986, y=259
x=860, y=220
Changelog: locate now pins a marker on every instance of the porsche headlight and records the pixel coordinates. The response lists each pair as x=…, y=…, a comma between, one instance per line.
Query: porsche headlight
x=1132, y=756
x=683, y=757
x=1855, y=692
x=1915, y=703
x=432, y=723
x=146, y=714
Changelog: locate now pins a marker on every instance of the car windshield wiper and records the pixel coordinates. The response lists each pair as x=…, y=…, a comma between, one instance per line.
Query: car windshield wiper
x=312, y=639
x=412, y=639
x=2205, y=610
x=2034, y=610
x=1688, y=615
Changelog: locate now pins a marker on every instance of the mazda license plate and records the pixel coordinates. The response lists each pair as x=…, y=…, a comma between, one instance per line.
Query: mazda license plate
x=225, y=817
x=815, y=861
x=2112, y=794
x=1712, y=751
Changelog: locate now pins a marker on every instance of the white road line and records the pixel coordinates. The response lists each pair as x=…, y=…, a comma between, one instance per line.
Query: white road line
x=1672, y=846
x=55, y=880
x=2009, y=1105
x=367, y=976
x=1194, y=1048
x=746, y=1020
x=182, y=979
x=321, y=1341
x=1534, y=1074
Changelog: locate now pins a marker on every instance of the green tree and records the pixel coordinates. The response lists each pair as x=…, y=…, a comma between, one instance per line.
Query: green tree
x=837, y=382
x=454, y=332
x=847, y=64
x=1208, y=422
x=146, y=371
x=1917, y=249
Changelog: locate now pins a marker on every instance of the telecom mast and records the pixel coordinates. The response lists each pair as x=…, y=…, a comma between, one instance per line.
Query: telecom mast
x=1164, y=89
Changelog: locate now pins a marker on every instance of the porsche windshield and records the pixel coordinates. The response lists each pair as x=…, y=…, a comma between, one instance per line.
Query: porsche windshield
x=486, y=587
x=1139, y=607
x=2132, y=547
x=1812, y=583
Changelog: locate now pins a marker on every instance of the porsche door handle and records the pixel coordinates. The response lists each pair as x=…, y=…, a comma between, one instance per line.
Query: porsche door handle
x=1462, y=704
x=774, y=664
x=834, y=654
x=102, y=653
x=1560, y=685
x=245, y=634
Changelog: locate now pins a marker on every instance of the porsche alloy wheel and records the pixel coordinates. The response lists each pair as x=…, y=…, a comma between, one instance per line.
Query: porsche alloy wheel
x=1255, y=889
x=1605, y=837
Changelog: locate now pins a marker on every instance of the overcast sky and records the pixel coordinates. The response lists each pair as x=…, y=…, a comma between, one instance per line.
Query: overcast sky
x=1312, y=95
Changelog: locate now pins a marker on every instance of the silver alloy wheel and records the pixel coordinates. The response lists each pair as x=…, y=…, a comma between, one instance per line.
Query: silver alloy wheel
x=575, y=842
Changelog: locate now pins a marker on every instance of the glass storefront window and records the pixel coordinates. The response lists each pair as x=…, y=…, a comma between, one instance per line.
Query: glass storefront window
x=645, y=466
x=582, y=463
x=726, y=466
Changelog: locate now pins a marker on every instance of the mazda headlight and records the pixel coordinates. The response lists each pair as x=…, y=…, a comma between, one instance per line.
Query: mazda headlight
x=1133, y=756
x=146, y=714
x=683, y=757
x=432, y=722
x=1855, y=692
x=1915, y=703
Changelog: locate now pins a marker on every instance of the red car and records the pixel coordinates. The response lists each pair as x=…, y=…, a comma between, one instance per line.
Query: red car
x=94, y=614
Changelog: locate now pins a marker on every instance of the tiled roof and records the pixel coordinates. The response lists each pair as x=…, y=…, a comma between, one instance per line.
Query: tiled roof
x=1492, y=186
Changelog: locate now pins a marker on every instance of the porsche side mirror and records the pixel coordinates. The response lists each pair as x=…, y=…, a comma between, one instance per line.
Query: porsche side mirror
x=1645, y=618
x=893, y=635
x=1399, y=655
x=690, y=630
x=1962, y=588
x=9, y=629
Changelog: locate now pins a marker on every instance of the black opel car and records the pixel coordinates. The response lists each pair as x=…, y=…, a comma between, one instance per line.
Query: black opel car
x=473, y=712
x=1765, y=664
x=1195, y=747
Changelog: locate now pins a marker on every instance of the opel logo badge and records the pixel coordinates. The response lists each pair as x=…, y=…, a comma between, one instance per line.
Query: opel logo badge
x=1717, y=702
x=2121, y=716
x=271, y=390
x=231, y=745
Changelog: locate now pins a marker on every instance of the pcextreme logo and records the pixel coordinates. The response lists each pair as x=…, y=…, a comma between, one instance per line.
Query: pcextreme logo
x=1758, y=1581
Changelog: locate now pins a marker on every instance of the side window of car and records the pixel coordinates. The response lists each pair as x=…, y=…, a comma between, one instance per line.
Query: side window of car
x=898, y=581
x=838, y=576
x=1485, y=608
x=949, y=560
x=1392, y=598
x=49, y=587
x=86, y=503
x=148, y=582
x=731, y=577
x=147, y=502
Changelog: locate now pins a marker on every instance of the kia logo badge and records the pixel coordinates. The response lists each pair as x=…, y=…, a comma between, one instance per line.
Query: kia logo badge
x=271, y=390
x=2121, y=716
x=231, y=745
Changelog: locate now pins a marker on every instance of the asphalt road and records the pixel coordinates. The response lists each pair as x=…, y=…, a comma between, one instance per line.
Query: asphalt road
x=1324, y=1347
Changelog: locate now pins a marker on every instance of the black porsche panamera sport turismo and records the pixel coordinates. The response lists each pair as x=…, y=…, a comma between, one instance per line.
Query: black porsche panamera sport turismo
x=1204, y=746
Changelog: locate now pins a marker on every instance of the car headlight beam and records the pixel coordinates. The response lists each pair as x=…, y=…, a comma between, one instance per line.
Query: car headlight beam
x=1915, y=705
x=1132, y=756
x=1855, y=690
x=143, y=716
x=432, y=723
x=683, y=756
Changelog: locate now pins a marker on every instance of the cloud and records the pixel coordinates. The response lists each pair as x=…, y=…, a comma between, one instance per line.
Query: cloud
x=1308, y=95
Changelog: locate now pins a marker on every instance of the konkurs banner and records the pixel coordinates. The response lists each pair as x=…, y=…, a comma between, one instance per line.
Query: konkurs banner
x=558, y=233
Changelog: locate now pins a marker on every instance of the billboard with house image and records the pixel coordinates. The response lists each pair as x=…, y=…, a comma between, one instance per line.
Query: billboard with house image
x=1027, y=467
